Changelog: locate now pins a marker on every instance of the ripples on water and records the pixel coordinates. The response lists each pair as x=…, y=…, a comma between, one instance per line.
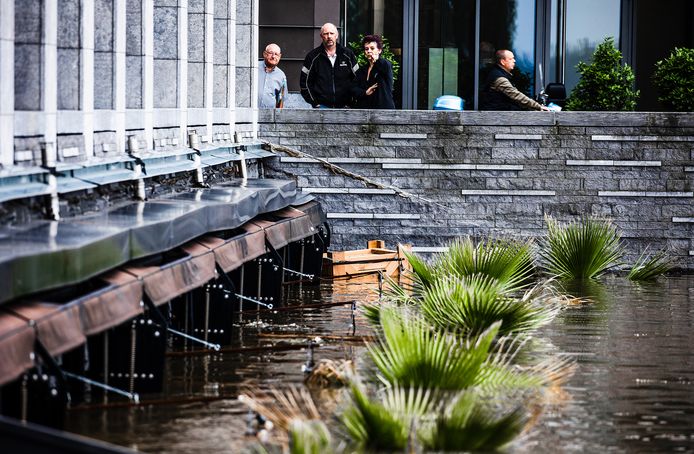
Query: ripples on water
x=633, y=390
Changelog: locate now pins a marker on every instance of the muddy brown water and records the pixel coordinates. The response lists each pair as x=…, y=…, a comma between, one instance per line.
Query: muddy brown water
x=633, y=390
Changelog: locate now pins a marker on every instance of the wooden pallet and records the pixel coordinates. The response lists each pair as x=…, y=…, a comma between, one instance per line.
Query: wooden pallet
x=376, y=258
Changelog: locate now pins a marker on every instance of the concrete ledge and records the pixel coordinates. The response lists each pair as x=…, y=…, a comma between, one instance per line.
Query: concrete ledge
x=394, y=216
x=683, y=220
x=352, y=160
x=453, y=166
x=518, y=136
x=608, y=163
x=429, y=249
x=610, y=138
x=689, y=169
x=507, y=192
x=644, y=194
x=374, y=191
x=398, y=135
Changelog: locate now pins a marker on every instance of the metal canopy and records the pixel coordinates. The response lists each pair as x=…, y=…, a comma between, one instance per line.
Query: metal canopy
x=49, y=254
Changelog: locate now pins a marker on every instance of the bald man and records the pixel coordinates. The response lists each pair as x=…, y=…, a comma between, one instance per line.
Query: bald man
x=272, y=83
x=499, y=93
x=329, y=72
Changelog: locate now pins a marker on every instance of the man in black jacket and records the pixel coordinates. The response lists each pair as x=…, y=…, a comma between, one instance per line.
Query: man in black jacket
x=329, y=72
x=499, y=93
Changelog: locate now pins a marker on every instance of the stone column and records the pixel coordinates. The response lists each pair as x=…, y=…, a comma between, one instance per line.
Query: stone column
x=87, y=76
x=120, y=72
x=6, y=83
x=209, y=66
x=148, y=73
x=231, y=73
x=182, y=102
x=49, y=79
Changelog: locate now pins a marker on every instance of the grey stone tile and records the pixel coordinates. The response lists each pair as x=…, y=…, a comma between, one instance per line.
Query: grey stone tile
x=244, y=11
x=220, y=91
x=196, y=6
x=221, y=42
x=166, y=86
x=133, y=82
x=103, y=80
x=27, y=21
x=166, y=32
x=133, y=30
x=68, y=23
x=103, y=25
x=243, y=87
x=221, y=8
x=196, y=38
x=27, y=80
x=68, y=79
x=196, y=85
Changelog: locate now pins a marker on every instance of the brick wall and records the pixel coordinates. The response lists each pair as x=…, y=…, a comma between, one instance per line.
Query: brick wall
x=494, y=173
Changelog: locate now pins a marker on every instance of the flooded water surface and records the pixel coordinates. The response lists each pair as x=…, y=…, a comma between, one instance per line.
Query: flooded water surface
x=633, y=390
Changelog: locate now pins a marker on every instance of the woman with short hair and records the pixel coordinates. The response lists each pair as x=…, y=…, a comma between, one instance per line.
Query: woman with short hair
x=374, y=83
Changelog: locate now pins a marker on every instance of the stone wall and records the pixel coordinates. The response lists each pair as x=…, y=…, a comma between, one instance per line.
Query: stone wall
x=485, y=173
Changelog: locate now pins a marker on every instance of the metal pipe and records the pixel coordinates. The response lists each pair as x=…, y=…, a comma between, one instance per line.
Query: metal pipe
x=215, y=347
x=130, y=395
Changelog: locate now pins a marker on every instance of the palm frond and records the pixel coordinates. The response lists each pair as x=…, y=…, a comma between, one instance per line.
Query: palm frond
x=508, y=261
x=282, y=407
x=580, y=250
x=472, y=304
x=466, y=425
x=423, y=271
x=410, y=353
x=309, y=437
x=385, y=425
x=649, y=267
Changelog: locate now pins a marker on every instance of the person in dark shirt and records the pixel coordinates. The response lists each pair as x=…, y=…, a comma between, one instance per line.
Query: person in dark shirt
x=374, y=83
x=328, y=74
x=499, y=93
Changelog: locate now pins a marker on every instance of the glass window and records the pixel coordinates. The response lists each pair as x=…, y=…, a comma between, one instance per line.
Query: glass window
x=509, y=24
x=446, y=57
x=588, y=22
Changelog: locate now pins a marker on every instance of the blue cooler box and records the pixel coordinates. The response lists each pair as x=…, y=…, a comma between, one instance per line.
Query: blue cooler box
x=449, y=102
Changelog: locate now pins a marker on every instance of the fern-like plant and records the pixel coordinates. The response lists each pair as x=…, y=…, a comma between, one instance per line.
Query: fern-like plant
x=580, y=250
x=606, y=83
x=649, y=267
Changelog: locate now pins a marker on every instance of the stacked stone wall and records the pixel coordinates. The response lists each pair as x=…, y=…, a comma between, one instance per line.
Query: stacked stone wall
x=485, y=173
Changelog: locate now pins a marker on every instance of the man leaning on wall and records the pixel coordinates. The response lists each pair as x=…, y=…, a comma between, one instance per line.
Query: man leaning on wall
x=272, y=83
x=499, y=93
x=329, y=72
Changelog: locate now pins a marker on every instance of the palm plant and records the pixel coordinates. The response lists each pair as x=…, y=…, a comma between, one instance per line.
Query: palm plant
x=309, y=437
x=386, y=425
x=649, y=266
x=472, y=304
x=508, y=261
x=580, y=250
x=465, y=425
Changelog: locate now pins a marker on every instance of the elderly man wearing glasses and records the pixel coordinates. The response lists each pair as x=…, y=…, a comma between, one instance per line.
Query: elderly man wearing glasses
x=272, y=83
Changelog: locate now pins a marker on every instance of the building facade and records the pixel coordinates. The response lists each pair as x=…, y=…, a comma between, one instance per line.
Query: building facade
x=445, y=46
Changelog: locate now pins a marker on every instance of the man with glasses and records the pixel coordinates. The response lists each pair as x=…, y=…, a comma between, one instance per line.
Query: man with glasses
x=272, y=83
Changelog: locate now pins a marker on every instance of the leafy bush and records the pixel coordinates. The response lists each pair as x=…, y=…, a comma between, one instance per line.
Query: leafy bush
x=606, y=84
x=674, y=78
x=387, y=54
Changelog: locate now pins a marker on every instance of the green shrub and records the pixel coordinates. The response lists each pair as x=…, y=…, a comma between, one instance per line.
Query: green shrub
x=606, y=84
x=387, y=54
x=674, y=78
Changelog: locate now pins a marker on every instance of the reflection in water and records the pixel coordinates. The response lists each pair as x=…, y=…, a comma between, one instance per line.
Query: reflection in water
x=633, y=390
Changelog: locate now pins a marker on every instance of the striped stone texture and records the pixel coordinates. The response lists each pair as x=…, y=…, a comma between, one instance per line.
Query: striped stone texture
x=484, y=173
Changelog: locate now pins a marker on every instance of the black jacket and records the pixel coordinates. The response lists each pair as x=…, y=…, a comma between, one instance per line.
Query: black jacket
x=323, y=84
x=494, y=100
x=382, y=98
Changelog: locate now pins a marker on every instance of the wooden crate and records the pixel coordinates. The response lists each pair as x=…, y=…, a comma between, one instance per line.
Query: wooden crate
x=365, y=261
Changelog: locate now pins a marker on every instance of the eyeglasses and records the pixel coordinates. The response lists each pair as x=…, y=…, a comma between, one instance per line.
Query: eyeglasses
x=272, y=54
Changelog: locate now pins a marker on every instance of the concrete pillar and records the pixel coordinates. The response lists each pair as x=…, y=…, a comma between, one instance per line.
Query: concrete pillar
x=87, y=76
x=182, y=72
x=209, y=66
x=120, y=72
x=148, y=72
x=231, y=73
x=6, y=83
x=49, y=79
x=254, y=66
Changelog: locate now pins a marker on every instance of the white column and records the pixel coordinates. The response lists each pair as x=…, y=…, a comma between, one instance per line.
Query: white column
x=49, y=81
x=7, y=83
x=87, y=76
x=119, y=69
x=209, y=66
x=254, y=66
x=148, y=72
x=231, y=73
x=182, y=72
